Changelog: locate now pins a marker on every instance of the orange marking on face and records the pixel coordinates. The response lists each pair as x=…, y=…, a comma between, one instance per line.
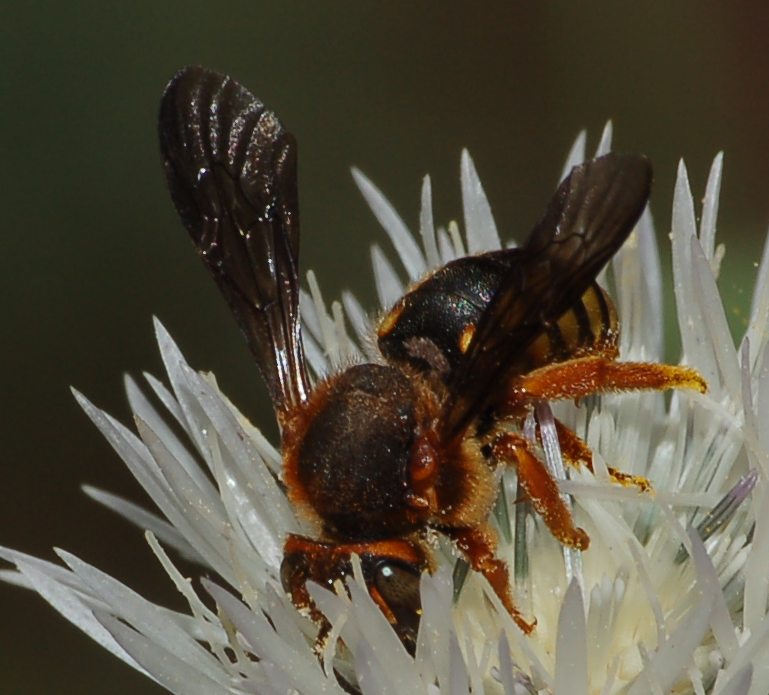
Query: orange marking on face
x=418, y=502
x=424, y=460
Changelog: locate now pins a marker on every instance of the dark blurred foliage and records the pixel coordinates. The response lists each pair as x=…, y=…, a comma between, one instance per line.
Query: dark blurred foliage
x=92, y=248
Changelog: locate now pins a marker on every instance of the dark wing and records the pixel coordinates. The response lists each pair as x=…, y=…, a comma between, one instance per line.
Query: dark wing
x=231, y=169
x=591, y=214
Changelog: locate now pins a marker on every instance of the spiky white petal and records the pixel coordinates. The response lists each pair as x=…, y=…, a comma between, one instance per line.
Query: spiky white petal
x=604, y=144
x=389, y=287
x=480, y=228
x=576, y=154
x=402, y=239
x=145, y=520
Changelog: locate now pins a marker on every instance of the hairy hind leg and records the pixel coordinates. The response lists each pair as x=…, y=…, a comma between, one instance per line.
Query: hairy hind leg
x=585, y=376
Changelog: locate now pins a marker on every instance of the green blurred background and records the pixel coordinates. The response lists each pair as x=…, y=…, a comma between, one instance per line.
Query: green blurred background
x=92, y=248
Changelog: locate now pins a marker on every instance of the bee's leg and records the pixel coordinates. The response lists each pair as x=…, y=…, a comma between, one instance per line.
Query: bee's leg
x=479, y=544
x=541, y=489
x=576, y=453
x=584, y=376
x=573, y=449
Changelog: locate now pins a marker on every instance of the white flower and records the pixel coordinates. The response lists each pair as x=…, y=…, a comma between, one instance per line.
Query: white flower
x=652, y=607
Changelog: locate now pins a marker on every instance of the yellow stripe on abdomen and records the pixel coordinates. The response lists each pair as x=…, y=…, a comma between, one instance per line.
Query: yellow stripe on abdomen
x=589, y=326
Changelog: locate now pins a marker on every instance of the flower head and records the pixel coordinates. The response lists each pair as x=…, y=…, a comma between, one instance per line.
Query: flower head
x=670, y=597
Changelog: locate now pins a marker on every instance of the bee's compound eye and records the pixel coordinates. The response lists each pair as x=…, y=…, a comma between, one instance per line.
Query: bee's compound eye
x=398, y=585
x=294, y=570
x=397, y=582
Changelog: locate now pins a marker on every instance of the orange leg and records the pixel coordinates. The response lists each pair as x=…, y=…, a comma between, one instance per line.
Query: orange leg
x=585, y=376
x=576, y=453
x=541, y=489
x=479, y=546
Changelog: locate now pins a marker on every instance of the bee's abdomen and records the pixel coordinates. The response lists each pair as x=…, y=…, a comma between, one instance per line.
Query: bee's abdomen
x=432, y=326
x=589, y=326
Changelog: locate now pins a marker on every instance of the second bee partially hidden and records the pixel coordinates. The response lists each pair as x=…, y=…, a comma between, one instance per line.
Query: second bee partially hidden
x=379, y=454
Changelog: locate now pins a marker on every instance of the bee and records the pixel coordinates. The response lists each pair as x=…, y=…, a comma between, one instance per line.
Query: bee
x=380, y=455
